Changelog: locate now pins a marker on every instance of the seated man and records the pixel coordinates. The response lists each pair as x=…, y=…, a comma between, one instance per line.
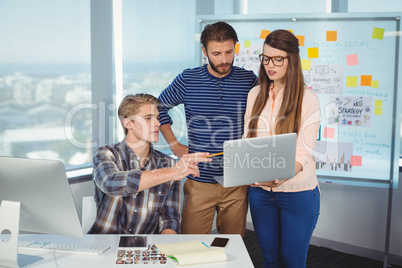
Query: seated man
x=137, y=188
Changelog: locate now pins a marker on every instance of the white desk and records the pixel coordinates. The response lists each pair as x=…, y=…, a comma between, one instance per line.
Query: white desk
x=237, y=255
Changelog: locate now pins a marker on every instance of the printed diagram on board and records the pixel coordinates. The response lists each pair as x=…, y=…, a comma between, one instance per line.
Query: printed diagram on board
x=325, y=79
x=350, y=111
x=333, y=156
x=247, y=58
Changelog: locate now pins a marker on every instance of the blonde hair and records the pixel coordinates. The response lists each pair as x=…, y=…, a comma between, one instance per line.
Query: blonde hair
x=289, y=115
x=130, y=105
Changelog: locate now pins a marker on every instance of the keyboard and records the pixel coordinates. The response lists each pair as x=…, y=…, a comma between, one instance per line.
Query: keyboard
x=62, y=247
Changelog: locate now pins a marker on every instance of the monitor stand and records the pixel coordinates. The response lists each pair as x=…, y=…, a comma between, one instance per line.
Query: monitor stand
x=9, y=231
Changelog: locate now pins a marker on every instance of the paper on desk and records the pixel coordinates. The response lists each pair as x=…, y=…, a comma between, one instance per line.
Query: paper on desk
x=192, y=252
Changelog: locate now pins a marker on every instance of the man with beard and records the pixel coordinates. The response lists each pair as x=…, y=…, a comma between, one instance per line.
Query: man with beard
x=214, y=98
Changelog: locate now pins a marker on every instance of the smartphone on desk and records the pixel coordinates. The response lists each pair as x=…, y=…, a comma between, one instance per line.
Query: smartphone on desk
x=139, y=242
x=220, y=242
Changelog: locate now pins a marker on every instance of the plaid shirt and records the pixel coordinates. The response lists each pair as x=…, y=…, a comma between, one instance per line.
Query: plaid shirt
x=121, y=209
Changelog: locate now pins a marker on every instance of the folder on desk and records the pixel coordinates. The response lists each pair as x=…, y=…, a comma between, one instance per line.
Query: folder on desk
x=192, y=252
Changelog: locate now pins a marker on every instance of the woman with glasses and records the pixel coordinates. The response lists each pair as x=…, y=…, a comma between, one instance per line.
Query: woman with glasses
x=284, y=212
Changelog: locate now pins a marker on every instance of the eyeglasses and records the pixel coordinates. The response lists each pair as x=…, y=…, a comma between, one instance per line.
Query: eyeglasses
x=278, y=61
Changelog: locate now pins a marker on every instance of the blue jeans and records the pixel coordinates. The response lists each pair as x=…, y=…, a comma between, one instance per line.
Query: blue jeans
x=284, y=224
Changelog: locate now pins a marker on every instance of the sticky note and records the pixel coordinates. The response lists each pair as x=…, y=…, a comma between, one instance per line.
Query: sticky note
x=301, y=40
x=378, y=33
x=237, y=48
x=378, y=103
x=356, y=161
x=351, y=81
x=374, y=83
x=378, y=111
x=306, y=64
x=365, y=80
x=352, y=60
x=313, y=52
x=290, y=31
x=332, y=35
x=264, y=34
x=329, y=132
x=247, y=43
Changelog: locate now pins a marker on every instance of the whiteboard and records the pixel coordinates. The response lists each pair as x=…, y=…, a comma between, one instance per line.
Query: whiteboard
x=351, y=62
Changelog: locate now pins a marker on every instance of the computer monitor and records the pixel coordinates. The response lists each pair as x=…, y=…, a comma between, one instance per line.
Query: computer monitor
x=35, y=197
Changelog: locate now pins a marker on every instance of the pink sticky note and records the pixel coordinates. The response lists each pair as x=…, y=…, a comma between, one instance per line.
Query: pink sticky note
x=356, y=160
x=329, y=132
x=352, y=60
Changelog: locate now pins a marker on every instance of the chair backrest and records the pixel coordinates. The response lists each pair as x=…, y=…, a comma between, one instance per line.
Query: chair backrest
x=88, y=213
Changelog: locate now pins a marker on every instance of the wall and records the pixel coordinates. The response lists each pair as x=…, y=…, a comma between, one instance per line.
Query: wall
x=353, y=219
x=286, y=6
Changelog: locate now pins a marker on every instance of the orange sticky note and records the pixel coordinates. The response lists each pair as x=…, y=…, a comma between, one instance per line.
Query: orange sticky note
x=365, y=80
x=264, y=34
x=301, y=40
x=313, y=52
x=352, y=60
x=237, y=48
x=332, y=35
x=329, y=132
x=356, y=160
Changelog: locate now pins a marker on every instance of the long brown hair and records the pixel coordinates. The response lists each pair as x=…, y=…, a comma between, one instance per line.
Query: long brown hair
x=289, y=115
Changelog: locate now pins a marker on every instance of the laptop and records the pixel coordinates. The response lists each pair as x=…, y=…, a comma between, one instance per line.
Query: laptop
x=261, y=159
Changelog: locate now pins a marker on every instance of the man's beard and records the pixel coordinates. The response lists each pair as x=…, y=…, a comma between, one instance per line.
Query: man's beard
x=215, y=67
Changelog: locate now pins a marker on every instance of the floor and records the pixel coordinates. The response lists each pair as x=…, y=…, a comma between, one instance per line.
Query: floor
x=318, y=257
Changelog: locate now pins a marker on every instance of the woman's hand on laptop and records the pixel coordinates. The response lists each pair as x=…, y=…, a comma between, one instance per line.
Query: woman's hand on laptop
x=271, y=184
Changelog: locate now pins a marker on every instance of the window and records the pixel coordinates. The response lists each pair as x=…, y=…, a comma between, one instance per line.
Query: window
x=44, y=74
x=158, y=44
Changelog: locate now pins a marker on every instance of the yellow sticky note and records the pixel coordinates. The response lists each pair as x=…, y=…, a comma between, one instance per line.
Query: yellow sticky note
x=306, y=64
x=264, y=34
x=365, y=80
x=378, y=33
x=378, y=111
x=237, y=48
x=378, y=103
x=301, y=40
x=351, y=81
x=374, y=83
x=332, y=35
x=247, y=43
x=290, y=31
x=313, y=52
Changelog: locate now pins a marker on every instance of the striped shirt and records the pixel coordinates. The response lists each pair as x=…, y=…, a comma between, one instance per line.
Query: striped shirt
x=121, y=209
x=214, y=109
